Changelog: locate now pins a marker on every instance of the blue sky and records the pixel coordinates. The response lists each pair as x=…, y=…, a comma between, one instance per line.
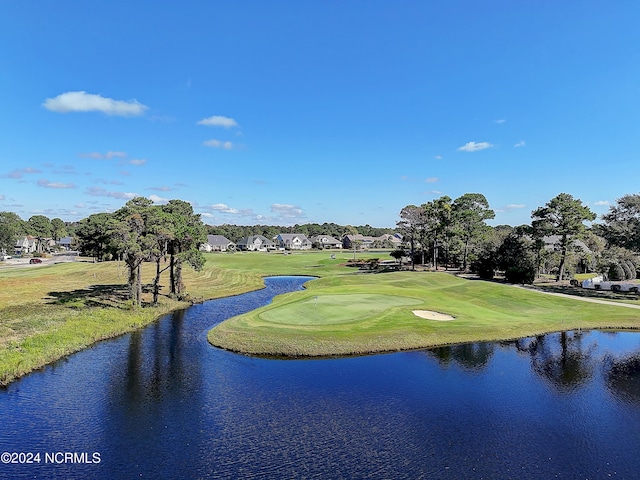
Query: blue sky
x=287, y=112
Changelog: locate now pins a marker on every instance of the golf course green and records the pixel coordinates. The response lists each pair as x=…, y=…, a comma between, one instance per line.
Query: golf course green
x=372, y=313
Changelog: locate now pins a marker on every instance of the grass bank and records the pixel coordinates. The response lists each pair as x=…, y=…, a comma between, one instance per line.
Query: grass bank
x=344, y=315
x=47, y=312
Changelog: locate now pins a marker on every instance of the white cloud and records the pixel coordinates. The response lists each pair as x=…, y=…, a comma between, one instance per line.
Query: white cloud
x=48, y=184
x=519, y=144
x=513, y=206
x=138, y=161
x=500, y=121
x=223, y=208
x=79, y=205
x=109, y=182
x=218, y=121
x=161, y=189
x=438, y=157
x=287, y=211
x=157, y=199
x=1, y=197
x=431, y=180
x=101, y=192
x=89, y=102
x=474, y=146
x=218, y=144
x=602, y=203
x=103, y=156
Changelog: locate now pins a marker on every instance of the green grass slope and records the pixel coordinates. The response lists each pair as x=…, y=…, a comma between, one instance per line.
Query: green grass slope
x=359, y=314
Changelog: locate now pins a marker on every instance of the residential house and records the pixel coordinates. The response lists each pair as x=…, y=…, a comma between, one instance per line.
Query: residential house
x=325, y=241
x=67, y=243
x=217, y=243
x=255, y=242
x=26, y=245
x=362, y=242
x=293, y=241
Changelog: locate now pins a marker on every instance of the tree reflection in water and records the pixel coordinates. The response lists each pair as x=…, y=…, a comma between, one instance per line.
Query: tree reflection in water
x=470, y=356
x=562, y=359
x=622, y=377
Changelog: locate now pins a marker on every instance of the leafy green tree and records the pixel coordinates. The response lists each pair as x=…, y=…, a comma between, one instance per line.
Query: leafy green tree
x=411, y=221
x=40, y=227
x=564, y=216
x=621, y=226
x=470, y=212
x=438, y=223
x=133, y=240
x=516, y=256
x=11, y=226
x=93, y=235
x=189, y=234
x=58, y=229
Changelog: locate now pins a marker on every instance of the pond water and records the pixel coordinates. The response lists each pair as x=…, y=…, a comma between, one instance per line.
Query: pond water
x=163, y=403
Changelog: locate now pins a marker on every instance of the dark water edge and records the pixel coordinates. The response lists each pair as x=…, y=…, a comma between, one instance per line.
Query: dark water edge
x=163, y=403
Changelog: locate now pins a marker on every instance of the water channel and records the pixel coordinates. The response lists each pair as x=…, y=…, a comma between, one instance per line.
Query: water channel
x=163, y=403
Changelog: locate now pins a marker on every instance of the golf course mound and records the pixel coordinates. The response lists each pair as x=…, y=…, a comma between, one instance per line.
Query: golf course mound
x=334, y=309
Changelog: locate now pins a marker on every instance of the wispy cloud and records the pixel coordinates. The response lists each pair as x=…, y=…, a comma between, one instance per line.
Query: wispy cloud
x=82, y=101
x=20, y=172
x=514, y=206
x=103, y=156
x=218, y=144
x=602, y=203
x=431, y=180
x=48, y=184
x=438, y=157
x=157, y=199
x=519, y=144
x=138, y=161
x=474, y=146
x=2, y=197
x=161, y=189
x=101, y=192
x=500, y=121
x=224, y=208
x=109, y=182
x=218, y=121
x=287, y=211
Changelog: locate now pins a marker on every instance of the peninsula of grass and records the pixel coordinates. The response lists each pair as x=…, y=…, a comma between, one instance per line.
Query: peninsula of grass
x=362, y=314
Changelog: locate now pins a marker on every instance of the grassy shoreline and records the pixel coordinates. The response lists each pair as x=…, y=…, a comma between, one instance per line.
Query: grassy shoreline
x=49, y=312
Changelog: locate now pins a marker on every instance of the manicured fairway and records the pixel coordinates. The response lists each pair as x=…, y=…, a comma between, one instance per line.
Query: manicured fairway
x=373, y=313
x=334, y=309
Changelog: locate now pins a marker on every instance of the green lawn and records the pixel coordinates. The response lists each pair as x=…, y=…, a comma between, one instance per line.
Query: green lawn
x=356, y=314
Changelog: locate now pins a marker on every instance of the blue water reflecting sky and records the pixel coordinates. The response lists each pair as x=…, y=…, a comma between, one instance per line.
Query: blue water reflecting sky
x=163, y=403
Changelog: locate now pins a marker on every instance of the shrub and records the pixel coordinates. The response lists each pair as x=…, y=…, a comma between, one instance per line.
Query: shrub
x=632, y=270
x=520, y=274
x=616, y=272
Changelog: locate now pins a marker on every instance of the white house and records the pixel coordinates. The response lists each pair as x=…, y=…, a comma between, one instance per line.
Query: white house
x=293, y=241
x=217, y=243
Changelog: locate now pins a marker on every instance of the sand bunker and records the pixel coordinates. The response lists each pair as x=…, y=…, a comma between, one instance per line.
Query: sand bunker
x=429, y=315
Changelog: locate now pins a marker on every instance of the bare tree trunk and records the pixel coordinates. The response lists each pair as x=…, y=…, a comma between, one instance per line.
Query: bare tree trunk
x=139, y=284
x=172, y=275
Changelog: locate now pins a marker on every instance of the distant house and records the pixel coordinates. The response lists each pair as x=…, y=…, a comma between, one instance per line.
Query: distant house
x=293, y=241
x=552, y=242
x=255, y=242
x=217, y=243
x=26, y=245
x=67, y=243
x=325, y=241
x=361, y=242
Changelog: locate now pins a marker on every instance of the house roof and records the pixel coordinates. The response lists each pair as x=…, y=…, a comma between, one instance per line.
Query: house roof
x=554, y=240
x=252, y=238
x=290, y=236
x=324, y=239
x=218, y=240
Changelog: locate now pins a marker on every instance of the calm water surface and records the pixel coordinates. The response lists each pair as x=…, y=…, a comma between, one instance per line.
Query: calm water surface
x=162, y=403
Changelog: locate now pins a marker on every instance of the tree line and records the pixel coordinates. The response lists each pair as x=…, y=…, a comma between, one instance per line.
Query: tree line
x=454, y=233
x=236, y=232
